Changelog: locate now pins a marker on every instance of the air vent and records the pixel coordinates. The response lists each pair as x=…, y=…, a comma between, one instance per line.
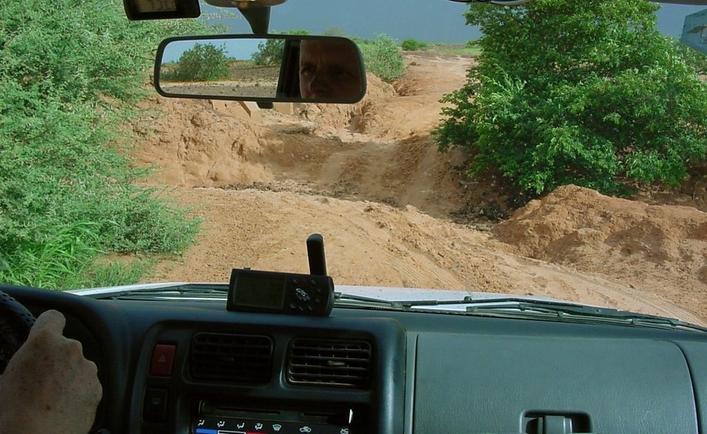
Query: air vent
x=338, y=363
x=242, y=359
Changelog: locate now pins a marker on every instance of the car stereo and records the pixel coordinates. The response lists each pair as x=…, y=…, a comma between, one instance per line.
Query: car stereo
x=213, y=418
x=232, y=425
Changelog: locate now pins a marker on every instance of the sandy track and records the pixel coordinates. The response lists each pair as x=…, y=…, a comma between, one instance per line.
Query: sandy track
x=370, y=243
x=258, y=89
x=263, y=183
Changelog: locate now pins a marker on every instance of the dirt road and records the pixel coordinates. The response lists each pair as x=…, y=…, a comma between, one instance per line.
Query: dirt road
x=369, y=177
x=370, y=243
x=254, y=89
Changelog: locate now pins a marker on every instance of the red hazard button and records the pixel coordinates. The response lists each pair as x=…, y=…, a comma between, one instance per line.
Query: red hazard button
x=162, y=360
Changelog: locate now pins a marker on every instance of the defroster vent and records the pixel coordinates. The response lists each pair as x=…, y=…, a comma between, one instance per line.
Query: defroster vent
x=233, y=358
x=324, y=362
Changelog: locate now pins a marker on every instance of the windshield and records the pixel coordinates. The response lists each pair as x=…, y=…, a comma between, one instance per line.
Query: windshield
x=556, y=149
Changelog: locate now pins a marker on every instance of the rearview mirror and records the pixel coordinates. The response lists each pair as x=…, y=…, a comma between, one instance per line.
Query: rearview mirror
x=272, y=68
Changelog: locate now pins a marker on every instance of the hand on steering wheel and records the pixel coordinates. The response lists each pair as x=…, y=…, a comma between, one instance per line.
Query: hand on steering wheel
x=48, y=385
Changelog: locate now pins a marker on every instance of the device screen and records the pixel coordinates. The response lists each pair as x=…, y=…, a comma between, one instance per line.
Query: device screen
x=260, y=291
x=150, y=6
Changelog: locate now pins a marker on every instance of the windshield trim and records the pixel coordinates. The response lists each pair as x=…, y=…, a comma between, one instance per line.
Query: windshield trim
x=416, y=300
x=389, y=294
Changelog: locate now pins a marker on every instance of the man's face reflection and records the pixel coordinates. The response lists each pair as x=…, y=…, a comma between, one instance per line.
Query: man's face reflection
x=329, y=70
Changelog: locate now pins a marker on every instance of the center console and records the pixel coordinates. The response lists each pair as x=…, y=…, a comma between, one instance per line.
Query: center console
x=272, y=360
x=246, y=373
x=228, y=420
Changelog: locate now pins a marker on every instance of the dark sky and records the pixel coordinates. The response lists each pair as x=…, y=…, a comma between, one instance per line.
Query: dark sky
x=429, y=20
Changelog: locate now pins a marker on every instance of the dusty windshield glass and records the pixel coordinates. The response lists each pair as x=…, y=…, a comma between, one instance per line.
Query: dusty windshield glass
x=554, y=149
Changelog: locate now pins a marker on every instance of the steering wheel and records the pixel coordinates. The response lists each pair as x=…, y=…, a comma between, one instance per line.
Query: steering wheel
x=15, y=322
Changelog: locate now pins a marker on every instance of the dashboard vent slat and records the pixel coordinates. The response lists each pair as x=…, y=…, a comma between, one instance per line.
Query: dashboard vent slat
x=231, y=358
x=329, y=362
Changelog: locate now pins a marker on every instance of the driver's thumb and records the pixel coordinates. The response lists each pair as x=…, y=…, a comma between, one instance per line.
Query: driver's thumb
x=49, y=320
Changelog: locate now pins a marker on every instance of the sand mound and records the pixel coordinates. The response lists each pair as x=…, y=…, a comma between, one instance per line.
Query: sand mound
x=316, y=169
x=651, y=247
x=416, y=109
x=332, y=149
x=196, y=144
x=193, y=143
x=331, y=118
x=409, y=107
x=375, y=244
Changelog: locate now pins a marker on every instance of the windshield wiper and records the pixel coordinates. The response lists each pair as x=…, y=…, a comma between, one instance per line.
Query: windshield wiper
x=468, y=300
x=342, y=299
x=501, y=307
x=575, y=313
x=180, y=291
x=513, y=307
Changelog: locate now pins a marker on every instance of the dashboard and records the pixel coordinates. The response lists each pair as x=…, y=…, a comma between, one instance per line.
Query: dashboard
x=196, y=368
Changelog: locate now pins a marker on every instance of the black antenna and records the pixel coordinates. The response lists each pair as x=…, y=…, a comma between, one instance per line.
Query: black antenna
x=315, y=253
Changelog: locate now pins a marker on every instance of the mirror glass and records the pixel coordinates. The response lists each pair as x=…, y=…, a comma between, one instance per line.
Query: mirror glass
x=271, y=68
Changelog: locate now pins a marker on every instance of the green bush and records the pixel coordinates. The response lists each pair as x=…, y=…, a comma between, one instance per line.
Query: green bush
x=69, y=71
x=697, y=59
x=587, y=93
x=203, y=62
x=383, y=58
x=413, y=45
x=270, y=52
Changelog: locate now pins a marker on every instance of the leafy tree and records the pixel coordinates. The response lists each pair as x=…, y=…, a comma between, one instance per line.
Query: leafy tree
x=203, y=62
x=382, y=57
x=270, y=51
x=578, y=92
x=694, y=57
x=413, y=45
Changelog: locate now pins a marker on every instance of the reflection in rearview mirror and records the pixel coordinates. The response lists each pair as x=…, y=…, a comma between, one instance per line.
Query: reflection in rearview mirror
x=272, y=68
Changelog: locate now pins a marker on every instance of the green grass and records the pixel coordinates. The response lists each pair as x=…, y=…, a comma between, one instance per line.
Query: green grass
x=52, y=260
x=68, y=262
x=114, y=273
x=70, y=74
x=69, y=259
x=81, y=253
x=469, y=49
x=464, y=50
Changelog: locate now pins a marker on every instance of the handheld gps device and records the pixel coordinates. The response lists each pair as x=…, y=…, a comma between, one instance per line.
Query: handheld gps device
x=285, y=293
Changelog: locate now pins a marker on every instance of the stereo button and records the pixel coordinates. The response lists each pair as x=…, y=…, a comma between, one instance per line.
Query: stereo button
x=155, y=406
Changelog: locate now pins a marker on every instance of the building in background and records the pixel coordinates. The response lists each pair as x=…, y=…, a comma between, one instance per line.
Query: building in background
x=694, y=32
